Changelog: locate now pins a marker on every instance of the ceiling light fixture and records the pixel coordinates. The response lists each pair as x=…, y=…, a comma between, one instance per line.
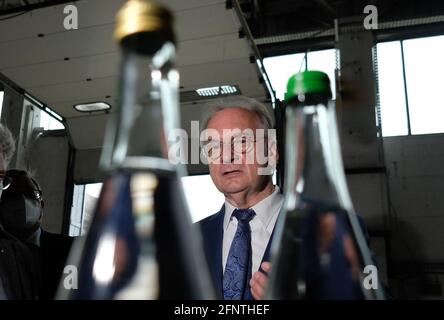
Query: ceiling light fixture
x=92, y=106
x=217, y=91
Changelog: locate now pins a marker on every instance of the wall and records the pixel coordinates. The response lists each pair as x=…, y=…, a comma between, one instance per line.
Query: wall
x=416, y=173
x=86, y=166
x=408, y=238
x=49, y=162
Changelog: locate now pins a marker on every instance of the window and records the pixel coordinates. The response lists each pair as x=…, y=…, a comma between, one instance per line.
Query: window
x=409, y=79
x=202, y=196
x=49, y=123
x=200, y=193
x=391, y=89
x=410, y=86
x=45, y=117
x=92, y=193
x=85, y=198
x=424, y=67
x=324, y=60
x=281, y=68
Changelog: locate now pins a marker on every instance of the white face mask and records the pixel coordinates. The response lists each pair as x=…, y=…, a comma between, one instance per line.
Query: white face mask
x=20, y=214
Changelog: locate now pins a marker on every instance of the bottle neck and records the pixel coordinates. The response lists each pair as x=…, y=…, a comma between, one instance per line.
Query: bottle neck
x=137, y=136
x=311, y=163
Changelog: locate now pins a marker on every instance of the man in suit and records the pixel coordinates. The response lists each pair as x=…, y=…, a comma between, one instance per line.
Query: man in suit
x=237, y=238
x=247, y=190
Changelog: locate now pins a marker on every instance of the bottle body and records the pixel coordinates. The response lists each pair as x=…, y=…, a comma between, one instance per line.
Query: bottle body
x=141, y=244
x=319, y=250
x=308, y=267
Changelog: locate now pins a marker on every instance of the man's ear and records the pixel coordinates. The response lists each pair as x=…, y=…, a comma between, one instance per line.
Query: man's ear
x=274, y=153
x=272, y=157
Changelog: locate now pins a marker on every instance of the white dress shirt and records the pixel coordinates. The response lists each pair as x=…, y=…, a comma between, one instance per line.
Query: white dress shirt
x=261, y=226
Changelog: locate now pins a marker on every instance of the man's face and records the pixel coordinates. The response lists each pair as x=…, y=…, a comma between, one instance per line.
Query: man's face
x=232, y=173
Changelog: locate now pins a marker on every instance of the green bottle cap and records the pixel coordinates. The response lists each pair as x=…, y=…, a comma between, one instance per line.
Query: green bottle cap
x=306, y=83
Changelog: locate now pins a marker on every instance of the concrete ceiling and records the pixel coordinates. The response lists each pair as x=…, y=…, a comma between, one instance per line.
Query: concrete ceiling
x=278, y=17
x=65, y=67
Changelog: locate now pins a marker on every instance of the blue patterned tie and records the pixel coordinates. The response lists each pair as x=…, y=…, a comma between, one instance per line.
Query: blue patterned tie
x=238, y=268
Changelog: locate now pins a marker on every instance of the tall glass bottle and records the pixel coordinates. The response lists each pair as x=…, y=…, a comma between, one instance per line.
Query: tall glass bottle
x=141, y=243
x=319, y=250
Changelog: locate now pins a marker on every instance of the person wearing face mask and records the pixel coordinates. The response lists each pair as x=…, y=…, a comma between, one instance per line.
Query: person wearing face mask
x=21, y=212
x=21, y=207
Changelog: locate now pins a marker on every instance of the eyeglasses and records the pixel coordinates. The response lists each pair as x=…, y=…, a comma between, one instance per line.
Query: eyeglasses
x=238, y=145
x=34, y=194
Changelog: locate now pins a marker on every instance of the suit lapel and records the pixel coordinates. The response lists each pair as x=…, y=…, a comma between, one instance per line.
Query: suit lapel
x=266, y=256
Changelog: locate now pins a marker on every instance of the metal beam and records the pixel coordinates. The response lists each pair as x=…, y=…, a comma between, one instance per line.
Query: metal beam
x=34, y=6
x=246, y=30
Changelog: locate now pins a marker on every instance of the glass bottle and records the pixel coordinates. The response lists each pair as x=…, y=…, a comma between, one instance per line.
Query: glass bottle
x=319, y=250
x=141, y=243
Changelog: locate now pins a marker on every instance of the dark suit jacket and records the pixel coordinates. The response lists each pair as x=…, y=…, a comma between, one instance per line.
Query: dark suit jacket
x=54, y=251
x=212, y=234
x=19, y=271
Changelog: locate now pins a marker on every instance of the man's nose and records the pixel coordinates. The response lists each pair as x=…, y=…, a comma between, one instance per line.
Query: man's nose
x=227, y=153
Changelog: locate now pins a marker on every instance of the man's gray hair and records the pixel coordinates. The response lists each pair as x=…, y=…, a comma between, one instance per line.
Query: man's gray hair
x=7, y=143
x=242, y=102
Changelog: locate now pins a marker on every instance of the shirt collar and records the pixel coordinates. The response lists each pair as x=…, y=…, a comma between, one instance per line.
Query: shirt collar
x=265, y=209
